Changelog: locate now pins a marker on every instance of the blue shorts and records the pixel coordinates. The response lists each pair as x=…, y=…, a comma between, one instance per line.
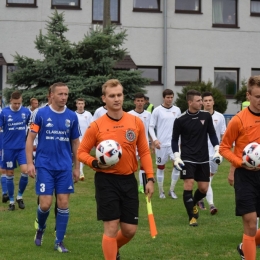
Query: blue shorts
x=49, y=180
x=11, y=156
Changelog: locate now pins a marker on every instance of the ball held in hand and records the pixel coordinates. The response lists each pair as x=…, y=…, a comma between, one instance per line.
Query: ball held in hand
x=108, y=152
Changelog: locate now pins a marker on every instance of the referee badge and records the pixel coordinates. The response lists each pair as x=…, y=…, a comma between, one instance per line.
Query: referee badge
x=130, y=135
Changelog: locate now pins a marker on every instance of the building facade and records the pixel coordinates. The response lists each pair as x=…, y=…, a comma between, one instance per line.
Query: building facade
x=172, y=41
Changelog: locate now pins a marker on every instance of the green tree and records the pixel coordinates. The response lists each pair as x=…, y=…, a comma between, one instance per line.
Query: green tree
x=241, y=93
x=84, y=66
x=220, y=101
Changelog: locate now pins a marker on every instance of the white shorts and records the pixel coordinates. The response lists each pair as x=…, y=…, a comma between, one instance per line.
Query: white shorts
x=213, y=166
x=163, y=155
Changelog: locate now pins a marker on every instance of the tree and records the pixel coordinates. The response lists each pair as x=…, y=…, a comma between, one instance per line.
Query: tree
x=220, y=101
x=241, y=93
x=84, y=66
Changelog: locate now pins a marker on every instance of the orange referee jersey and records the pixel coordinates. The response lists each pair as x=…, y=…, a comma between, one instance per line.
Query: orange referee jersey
x=129, y=132
x=243, y=128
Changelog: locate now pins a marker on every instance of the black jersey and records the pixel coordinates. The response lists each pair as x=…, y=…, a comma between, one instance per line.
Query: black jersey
x=194, y=130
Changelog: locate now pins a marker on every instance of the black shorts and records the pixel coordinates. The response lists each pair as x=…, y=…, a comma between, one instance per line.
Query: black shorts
x=117, y=197
x=247, y=191
x=198, y=172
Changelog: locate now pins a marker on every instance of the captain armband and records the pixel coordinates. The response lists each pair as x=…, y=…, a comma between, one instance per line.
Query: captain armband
x=34, y=128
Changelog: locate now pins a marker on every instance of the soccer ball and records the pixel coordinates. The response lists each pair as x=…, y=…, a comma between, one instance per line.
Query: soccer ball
x=251, y=155
x=108, y=152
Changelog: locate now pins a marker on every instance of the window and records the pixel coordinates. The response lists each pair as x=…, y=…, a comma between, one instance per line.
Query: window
x=188, y=6
x=186, y=75
x=146, y=6
x=21, y=3
x=255, y=72
x=65, y=4
x=255, y=8
x=224, y=13
x=97, y=11
x=10, y=68
x=226, y=80
x=153, y=73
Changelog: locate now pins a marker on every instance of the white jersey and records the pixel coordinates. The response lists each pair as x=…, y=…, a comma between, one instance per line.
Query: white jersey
x=145, y=116
x=99, y=112
x=85, y=119
x=219, y=123
x=162, y=119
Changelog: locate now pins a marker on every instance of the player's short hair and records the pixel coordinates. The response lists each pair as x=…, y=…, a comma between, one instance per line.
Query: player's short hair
x=191, y=93
x=167, y=92
x=207, y=94
x=146, y=97
x=139, y=95
x=110, y=83
x=80, y=99
x=33, y=99
x=253, y=81
x=16, y=95
x=58, y=84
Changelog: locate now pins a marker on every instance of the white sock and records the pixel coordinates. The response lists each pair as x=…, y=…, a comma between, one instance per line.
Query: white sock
x=209, y=195
x=81, y=168
x=141, y=177
x=175, y=177
x=160, y=179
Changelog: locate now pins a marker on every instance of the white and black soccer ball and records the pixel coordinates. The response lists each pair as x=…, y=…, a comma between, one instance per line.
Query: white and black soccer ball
x=108, y=152
x=251, y=155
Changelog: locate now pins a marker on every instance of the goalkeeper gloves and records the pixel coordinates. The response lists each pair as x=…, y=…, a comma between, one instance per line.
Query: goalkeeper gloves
x=217, y=158
x=178, y=163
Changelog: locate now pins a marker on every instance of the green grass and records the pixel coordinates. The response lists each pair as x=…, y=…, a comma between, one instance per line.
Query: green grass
x=216, y=237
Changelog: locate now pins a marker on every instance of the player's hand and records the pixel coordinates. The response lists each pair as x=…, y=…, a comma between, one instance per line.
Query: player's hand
x=217, y=158
x=31, y=170
x=76, y=174
x=178, y=163
x=231, y=175
x=244, y=165
x=149, y=189
x=104, y=166
x=157, y=144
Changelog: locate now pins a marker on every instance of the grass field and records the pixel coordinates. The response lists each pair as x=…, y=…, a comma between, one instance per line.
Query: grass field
x=216, y=237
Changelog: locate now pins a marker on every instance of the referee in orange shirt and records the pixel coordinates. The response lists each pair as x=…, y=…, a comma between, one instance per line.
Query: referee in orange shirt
x=244, y=128
x=116, y=186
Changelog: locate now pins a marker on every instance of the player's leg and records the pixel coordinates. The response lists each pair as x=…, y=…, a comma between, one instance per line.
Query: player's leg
x=9, y=164
x=109, y=215
x=201, y=176
x=140, y=175
x=247, y=191
x=209, y=196
x=187, y=175
x=81, y=176
x=44, y=186
x=5, y=196
x=21, y=159
x=161, y=159
x=174, y=177
x=129, y=212
x=63, y=187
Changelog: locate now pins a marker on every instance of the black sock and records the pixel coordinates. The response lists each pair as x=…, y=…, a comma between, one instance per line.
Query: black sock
x=188, y=202
x=198, y=196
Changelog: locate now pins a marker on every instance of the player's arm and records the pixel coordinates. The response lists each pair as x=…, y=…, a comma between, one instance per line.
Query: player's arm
x=145, y=157
x=152, y=125
x=87, y=143
x=228, y=139
x=29, y=153
x=178, y=163
x=76, y=171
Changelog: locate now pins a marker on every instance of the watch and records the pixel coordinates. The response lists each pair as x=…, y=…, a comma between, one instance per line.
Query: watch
x=95, y=164
x=151, y=179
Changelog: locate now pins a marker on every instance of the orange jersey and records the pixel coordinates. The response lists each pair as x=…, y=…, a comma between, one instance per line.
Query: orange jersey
x=129, y=132
x=243, y=128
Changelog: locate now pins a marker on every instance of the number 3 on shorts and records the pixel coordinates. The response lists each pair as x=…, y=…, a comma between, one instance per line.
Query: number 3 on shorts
x=42, y=189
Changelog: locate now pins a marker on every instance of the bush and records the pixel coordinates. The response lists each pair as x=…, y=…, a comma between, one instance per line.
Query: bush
x=220, y=101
